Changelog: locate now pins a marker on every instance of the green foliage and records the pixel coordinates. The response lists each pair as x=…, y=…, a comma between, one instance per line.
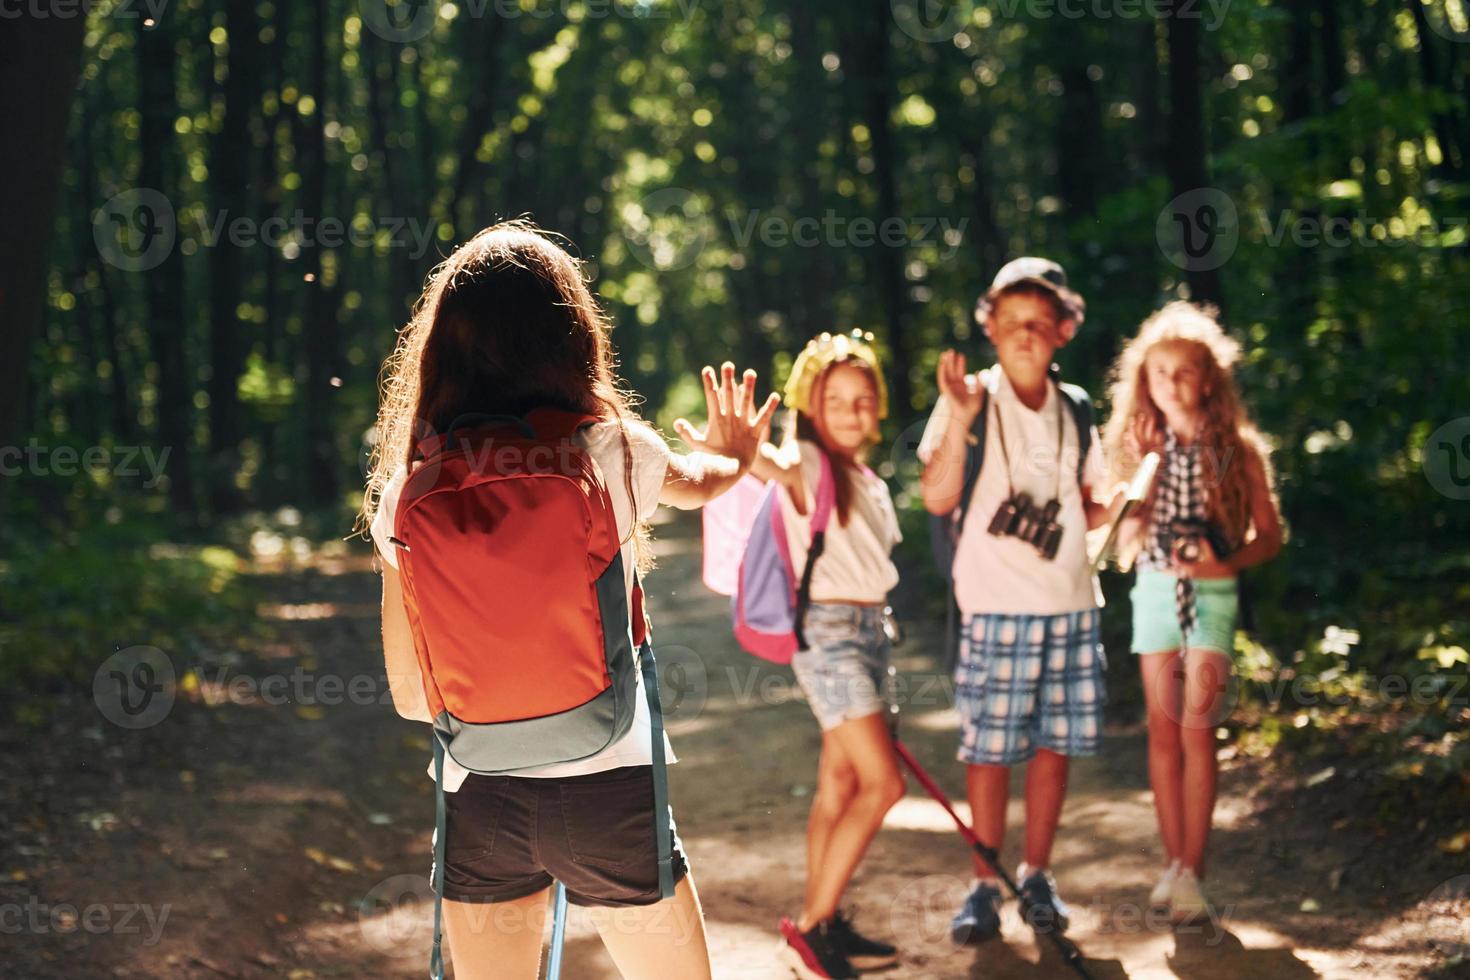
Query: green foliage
x=663, y=137
x=74, y=593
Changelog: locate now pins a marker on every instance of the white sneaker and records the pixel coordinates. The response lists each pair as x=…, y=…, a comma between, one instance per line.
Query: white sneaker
x=1186, y=900
x=1159, y=897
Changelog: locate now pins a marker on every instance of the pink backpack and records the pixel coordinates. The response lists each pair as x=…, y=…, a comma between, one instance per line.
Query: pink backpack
x=768, y=599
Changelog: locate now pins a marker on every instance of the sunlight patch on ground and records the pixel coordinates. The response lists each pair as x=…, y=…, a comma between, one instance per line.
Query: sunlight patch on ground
x=1230, y=812
x=301, y=611
x=943, y=720
x=276, y=794
x=741, y=943
x=920, y=813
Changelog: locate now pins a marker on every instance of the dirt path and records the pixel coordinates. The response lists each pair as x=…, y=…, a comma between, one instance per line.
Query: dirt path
x=244, y=837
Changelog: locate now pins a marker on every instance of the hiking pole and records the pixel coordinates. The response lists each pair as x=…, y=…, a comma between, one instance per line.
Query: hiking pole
x=558, y=932
x=1065, y=946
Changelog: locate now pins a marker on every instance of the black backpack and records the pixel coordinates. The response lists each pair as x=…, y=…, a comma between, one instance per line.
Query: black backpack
x=944, y=529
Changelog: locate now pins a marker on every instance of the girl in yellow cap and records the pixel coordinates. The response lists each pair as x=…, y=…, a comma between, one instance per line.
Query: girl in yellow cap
x=837, y=397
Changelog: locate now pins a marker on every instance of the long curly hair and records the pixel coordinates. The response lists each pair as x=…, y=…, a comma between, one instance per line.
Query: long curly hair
x=505, y=325
x=1226, y=436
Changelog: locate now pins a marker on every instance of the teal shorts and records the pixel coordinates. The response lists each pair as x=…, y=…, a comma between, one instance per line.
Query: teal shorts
x=1156, y=620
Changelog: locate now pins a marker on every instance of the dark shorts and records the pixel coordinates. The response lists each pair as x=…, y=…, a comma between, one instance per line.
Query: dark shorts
x=509, y=837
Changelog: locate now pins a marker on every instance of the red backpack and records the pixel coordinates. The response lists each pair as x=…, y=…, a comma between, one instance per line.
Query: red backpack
x=512, y=576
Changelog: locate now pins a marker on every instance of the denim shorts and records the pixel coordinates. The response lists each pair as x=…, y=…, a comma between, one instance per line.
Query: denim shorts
x=1025, y=682
x=844, y=671
x=1156, y=618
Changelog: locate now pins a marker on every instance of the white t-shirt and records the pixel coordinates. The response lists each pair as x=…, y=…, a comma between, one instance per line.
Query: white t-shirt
x=855, y=562
x=995, y=574
x=603, y=442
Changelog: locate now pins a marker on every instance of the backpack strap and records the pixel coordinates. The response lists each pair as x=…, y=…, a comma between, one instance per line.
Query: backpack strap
x=974, y=459
x=944, y=529
x=663, y=832
x=436, y=956
x=821, y=515
x=1083, y=414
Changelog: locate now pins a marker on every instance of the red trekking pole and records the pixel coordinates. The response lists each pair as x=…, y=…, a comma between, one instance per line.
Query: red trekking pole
x=1065, y=946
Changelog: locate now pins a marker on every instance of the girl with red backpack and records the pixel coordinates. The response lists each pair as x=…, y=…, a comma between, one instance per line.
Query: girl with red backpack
x=509, y=496
x=837, y=397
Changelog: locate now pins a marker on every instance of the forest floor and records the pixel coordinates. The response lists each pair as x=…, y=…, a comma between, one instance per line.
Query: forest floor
x=252, y=835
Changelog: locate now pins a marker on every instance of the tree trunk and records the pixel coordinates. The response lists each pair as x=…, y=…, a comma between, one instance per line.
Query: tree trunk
x=163, y=284
x=323, y=378
x=382, y=100
x=39, y=61
x=227, y=261
x=1187, y=154
x=1079, y=142
x=1453, y=163
x=875, y=88
x=814, y=286
x=464, y=197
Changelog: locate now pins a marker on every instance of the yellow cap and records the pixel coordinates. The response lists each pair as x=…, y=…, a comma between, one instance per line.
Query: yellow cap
x=822, y=352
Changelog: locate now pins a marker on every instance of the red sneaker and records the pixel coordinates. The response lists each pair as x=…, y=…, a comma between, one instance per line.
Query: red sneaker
x=816, y=954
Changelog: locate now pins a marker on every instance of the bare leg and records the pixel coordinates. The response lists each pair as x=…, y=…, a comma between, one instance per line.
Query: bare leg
x=1046, y=788
x=988, y=788
x=867, y=744
x=837, y=784
x=1207, y=675
x=500, y=939
x=1163, y=684
x=663, y=940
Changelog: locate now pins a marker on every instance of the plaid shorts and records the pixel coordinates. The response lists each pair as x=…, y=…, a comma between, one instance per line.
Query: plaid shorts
x=1025, y=682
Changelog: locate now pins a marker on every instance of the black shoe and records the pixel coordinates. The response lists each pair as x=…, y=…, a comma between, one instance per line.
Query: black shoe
x=863, y=953
x=815, y=954
x=1042, y=909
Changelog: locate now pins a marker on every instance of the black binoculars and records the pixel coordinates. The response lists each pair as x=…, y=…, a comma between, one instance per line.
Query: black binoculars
x=1019, y=517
